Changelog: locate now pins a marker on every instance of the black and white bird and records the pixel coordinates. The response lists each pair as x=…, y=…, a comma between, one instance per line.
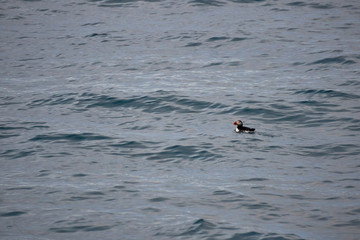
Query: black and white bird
x=241, y=128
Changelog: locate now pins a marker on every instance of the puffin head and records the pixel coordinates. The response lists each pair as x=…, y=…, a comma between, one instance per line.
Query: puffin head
x=238, y=123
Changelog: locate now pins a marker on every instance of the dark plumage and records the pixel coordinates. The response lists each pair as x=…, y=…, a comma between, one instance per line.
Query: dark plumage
x=241, y=128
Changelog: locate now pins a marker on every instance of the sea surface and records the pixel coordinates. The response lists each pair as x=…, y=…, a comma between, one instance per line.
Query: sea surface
x=116, y=119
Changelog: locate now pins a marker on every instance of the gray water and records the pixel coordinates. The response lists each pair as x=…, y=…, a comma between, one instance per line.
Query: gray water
x=117, y=119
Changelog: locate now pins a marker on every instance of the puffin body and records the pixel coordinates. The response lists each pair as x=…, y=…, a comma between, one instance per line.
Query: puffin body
x=241, y=128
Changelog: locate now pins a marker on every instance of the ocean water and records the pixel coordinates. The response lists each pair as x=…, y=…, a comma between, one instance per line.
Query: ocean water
x=116, y=119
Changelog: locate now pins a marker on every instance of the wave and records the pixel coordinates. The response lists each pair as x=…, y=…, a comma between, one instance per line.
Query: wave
x=56, y=99
x=72, y=137
x=132, y=144
x=193, y=44
x=247, y=1
x=198, y=227
x=158, y=102
x=12, y=214
x=262, y=236
x=76, y=228
x=336, y=150
x=318, y=102
x=182, y=152
x=327, y=93
x=97, y=35
x=10, y=129
x=145, y=103
x=253, y=180
x=120, y=3
x=333, y=60
x=238, y=39
x=18, y=153
x=213, y=39
x=312, y=5
x=214, y=3
x=202, y=228
x=207, y=2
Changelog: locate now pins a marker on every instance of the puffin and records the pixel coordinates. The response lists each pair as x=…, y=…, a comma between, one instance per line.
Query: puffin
x=241, y=128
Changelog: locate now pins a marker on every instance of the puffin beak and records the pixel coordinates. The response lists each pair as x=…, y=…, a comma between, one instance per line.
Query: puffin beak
x=234, y=123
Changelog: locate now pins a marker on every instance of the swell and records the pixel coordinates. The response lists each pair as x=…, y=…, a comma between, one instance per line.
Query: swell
x=151, y=104
x=308, y=107
x=336, y=150
x=132, y=144
x=74, y=137
x=56, y=99
x=158, y=102
x=327, y=93
x=213, y=3
x=266, y=236
x=182, y=152
x=10, y=129
x=207, y=2
x=312, y=5
x=201, y=228
x=334, y=60
x=152, y=151
x=120, y=3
